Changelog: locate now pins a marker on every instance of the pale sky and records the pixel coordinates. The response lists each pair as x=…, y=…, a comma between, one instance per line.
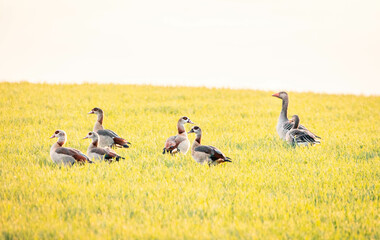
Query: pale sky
x=328, y=46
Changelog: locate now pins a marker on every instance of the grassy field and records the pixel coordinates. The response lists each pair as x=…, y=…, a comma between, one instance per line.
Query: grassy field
x=270, y=191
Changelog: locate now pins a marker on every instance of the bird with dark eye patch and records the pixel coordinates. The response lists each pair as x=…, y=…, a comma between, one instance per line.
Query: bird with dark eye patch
x=300, y=137
x=180, y=142
x=107, y=138
x=206, y=154
x=98, y=153
x=63, y=155
x=283, y=124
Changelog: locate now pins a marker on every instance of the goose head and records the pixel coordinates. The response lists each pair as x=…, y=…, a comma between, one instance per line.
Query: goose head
x=184, y=120
x=281, y=95
x=92, y=135
x=296, y=120
x=96, y=111
x=197, y=130
x=61, y=135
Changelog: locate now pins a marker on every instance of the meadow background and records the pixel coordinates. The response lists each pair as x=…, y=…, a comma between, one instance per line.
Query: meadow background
x=270, y=190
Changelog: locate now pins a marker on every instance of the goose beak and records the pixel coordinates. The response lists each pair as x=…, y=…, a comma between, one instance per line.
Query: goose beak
x=91, y=112
x=85, y=137
x=191, y=131
x=190, y=122
x=276, y=95
x=52, y=136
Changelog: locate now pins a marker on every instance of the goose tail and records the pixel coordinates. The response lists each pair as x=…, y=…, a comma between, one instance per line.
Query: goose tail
x=118, y=158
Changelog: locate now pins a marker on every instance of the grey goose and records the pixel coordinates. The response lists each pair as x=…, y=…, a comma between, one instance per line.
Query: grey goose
x=298, y=137
x=283, y=124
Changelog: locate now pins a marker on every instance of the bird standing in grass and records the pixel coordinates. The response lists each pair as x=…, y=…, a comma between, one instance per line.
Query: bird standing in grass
x=283, y=124
x=107, y=138
x=63, y=155
x=298, y=137
x=206, y=154
x=180, y=142
x=99, y=153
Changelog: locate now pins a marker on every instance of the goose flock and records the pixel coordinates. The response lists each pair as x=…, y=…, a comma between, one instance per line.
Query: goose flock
x=103, y=140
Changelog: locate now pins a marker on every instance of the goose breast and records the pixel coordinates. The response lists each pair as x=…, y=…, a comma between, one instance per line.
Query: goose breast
x=200, y=157
x=184, y=146
x=62, y=159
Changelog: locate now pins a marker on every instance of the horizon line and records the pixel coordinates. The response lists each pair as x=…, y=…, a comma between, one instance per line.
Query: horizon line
x=210, y=86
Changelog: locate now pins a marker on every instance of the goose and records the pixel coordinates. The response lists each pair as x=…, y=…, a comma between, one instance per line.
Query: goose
x=63, y=155
x=107, y=138
x=206, y=154
x=180, y=142
x=283, y=124
x=297, y=137
x=98, y=153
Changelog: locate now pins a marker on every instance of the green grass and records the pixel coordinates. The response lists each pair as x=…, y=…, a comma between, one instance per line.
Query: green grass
x=270, y=190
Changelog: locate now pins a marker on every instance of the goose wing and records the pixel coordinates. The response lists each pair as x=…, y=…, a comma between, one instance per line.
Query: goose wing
x=213, y=152
x=106, y=152
x=303, y=136
x=76, y=154
x=173, y=141
x=107, y=133
x=116, y=138
x=287, y=126
x=121, y=142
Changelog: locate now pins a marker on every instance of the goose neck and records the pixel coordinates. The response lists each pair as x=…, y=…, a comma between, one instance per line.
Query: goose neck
x=100, y=118
x=196, y=143
x=99, y=123
x=61, y=141
x=94, y=142
x=296, y=123
x=284, y=110
x=181, y=128
x=198, y=138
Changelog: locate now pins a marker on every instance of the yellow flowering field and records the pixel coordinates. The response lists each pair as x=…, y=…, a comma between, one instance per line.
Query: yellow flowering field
x=269, y=191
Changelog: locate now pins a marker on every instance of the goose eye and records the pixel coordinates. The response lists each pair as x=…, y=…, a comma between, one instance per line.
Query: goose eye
x=56, y=132
x=196, y=128
x=90, y=134
x=184, y=118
